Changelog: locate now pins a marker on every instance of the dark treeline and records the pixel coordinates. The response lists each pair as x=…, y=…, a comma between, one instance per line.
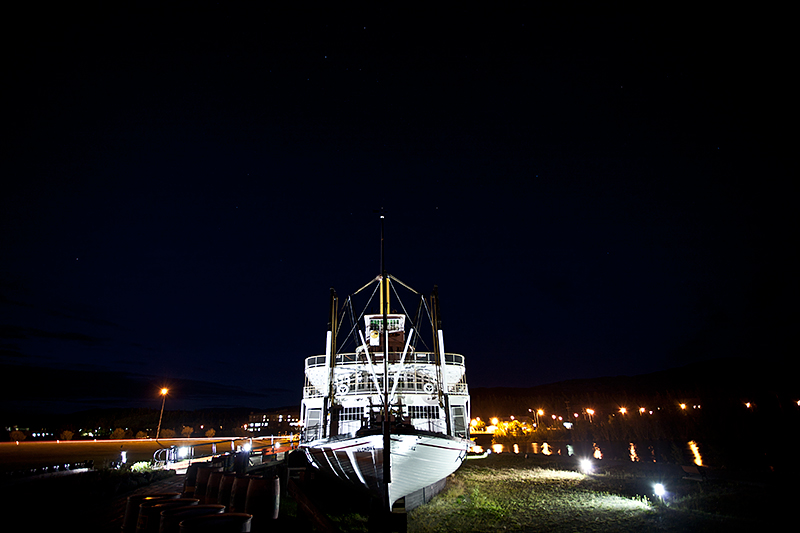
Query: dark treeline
x=722, y=386
x=723, y=402
x=102, y=422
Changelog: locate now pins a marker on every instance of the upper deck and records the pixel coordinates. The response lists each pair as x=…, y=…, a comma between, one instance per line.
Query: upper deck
x=416, y=358
x=353, y=373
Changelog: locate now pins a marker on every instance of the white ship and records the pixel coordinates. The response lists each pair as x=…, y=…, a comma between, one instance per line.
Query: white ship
x=346, y=394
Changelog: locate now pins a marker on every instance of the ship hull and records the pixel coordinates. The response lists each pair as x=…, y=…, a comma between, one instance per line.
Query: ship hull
x=418, y=460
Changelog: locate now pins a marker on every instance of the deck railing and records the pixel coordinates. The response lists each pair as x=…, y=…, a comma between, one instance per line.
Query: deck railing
x=417, y=358
x=366, y=385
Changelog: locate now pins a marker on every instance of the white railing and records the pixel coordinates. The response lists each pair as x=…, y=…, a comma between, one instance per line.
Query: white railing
x=343, y=359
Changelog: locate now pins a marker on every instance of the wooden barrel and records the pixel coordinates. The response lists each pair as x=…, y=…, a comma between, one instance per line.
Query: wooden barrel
x=212, y=489
x=203, y=473
x=263, y=499
x=225, y=488
x=190, y=480
x=239, y=493
x=150, y=512
x=171, y=518
x=220, y=523
x=131, y=516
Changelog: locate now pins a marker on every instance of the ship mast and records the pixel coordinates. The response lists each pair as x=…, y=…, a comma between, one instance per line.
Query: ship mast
x=387, y=442
x=438, y=350
x=330, y=350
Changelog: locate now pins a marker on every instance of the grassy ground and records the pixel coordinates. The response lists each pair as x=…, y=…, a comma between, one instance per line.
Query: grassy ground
x=508, y=492
x=511, y=493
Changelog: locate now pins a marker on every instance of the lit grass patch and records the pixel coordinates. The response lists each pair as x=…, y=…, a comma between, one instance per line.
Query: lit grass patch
x=524, y=498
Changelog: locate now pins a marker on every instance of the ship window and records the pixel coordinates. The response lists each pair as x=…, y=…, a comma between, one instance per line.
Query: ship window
x=423, y=411
x=314, y=418
x=351, y=413
x=459, y=421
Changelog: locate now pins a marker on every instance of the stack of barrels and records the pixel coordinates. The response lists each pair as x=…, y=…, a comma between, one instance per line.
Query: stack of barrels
x=212, y=500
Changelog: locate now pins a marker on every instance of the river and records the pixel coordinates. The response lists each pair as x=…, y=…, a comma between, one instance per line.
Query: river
x=689, y=452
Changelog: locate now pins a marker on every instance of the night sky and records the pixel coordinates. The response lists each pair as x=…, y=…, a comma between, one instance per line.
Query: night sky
x=595, y=193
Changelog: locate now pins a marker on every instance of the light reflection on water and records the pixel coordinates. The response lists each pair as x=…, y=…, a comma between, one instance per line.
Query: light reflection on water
x=634, y=452
x=698, y=460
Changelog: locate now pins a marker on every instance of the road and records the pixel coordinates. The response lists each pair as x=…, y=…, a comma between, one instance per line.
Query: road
x=36, y=454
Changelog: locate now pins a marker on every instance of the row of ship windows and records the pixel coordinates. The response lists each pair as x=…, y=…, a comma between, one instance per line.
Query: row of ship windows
x=419, y=357
x=394, y=324
x=412, y=411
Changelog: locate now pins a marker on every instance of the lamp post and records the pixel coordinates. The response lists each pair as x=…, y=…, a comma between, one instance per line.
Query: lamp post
x=164, y=392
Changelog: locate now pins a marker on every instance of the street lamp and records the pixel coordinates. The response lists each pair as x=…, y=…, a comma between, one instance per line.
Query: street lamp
x=538, y=413
x=164, y=392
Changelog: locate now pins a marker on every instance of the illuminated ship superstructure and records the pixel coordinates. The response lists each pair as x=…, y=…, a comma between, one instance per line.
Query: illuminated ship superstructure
x=346, y=395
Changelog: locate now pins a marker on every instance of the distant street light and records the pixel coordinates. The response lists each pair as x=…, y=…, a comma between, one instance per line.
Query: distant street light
x=164, y=392
x=538, y=413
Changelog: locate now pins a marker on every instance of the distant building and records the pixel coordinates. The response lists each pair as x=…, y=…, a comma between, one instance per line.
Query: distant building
x=277, y=422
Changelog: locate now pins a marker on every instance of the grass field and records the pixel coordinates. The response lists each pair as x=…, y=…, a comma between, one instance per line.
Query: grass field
x=510, y=493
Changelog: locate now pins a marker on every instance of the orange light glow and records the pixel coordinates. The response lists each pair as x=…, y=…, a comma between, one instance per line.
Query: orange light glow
x=698, y=460
x=597, y=453
x=164, y=391
x=623, y=410
x=632, y=453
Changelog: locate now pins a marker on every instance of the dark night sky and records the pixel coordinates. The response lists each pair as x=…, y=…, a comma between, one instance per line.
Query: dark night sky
x=594, y=192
